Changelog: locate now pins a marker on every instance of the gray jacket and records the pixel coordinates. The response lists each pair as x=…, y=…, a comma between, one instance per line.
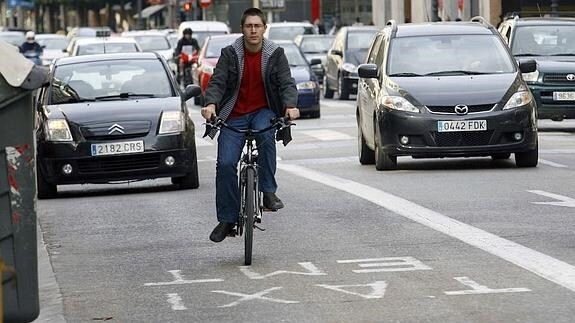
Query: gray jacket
x=224, y=85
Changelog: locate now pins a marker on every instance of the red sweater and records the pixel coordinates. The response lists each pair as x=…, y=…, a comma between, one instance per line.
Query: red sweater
x=252, y=95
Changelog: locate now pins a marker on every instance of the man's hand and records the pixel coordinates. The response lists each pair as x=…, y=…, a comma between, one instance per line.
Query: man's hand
x=209, y=112
x=292, y=113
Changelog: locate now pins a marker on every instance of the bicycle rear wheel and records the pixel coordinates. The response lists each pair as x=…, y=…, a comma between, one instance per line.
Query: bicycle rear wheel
x=249, y=213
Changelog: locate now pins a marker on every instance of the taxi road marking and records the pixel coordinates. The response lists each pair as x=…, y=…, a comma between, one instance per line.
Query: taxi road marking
x=311, y=268
x=387, y=264
x=377, y=289
x=480, y=289
x=176, y=301
x=565, y=201
x=179, y=280
x=256, y=296
x=538, y=263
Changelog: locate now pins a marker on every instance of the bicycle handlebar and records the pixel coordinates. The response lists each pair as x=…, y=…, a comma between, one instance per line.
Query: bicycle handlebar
x=278, y=123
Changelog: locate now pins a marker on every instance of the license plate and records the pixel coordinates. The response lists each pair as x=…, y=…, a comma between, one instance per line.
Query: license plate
x=117, y=148
x=463, y=125
x=564, y=96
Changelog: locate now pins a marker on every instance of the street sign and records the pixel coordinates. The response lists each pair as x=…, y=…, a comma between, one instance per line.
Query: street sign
x=205, y=3
x=272, y=4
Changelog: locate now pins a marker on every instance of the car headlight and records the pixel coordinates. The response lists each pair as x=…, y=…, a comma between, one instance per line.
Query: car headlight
x=398, y=103
x=520, y=98
x=306, y=85
x=58, y=130
x=172, y=122
x=348, y=67
x=530, y=77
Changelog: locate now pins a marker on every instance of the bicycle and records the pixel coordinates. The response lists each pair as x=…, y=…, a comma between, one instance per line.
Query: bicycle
x=251, y=208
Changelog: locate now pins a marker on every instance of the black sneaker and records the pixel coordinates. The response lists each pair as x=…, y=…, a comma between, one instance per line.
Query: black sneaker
x=272, y=202
x=221, y=231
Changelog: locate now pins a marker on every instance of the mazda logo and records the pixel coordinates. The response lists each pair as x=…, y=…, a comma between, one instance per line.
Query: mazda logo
x=115, y=128
x=570, y=77
x=461, y=109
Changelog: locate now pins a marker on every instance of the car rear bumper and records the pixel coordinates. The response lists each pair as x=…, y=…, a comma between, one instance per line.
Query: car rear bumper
x=426, y=141
x=308, y=100
x=547, y=108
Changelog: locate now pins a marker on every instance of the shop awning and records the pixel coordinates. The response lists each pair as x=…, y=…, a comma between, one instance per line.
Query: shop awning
x=151, y=10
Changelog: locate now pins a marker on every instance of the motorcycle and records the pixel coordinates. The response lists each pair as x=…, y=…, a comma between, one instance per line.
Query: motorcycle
x=34, y=56
x=187, y=58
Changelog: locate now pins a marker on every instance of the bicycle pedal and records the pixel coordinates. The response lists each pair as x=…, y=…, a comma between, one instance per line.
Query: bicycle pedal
x=258, y=219
x=261, y=229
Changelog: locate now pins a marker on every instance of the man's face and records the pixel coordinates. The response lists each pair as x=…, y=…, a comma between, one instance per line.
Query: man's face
x=253, y=30
x=188, y=36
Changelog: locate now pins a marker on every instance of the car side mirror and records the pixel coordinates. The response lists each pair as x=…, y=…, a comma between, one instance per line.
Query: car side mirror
x=528, y=66
x=368, y=71
x=336, y=52
x=191, y=91
x=315, y=61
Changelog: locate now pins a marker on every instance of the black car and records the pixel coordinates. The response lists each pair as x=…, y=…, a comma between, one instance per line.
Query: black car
x=348, y=50
x=114, y=117
x=551, y=42
x=444, y=90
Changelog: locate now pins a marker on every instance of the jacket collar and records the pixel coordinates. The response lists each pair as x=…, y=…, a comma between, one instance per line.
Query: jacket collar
x=268, y=47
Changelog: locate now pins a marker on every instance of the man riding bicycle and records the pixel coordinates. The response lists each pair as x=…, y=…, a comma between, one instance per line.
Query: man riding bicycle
x=251, y=85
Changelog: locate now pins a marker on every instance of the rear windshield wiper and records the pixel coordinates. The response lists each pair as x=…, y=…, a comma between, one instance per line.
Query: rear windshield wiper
x=124, y=95
x=406, y=74
x=455, y=72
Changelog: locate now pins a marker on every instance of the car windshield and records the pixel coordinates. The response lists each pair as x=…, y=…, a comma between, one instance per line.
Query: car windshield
x=289, y=32
x=316, y=45
x=118, y=79
x=215, y=45
x=14, y=39
x=294, y=56
x=544, y=40
x=150, y=43
x=201, y=36
x=360, y=40
x=105, y=47
x=448, y=55
x=53, y=43
x=173, y=39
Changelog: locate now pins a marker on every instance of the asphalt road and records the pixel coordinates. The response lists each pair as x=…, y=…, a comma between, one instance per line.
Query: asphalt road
x=439, y=240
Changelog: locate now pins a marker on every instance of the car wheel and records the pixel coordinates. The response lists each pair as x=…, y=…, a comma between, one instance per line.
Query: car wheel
x=327, y=92
x=315, y=114
x=191, y=179
x=366, y=155
x=528, y=158
x=501, y=156
x=383, y=161
x=342, y=91
x=45, y=189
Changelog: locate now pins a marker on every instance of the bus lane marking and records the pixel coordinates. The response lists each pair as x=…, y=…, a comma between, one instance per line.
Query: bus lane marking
x=312, y=270
x=256, y=296
x=179, y=280
x=565, y=201
x=378, y=289
x=545, y=266
x=176, y=301
x=480, y=289
x=387, y=264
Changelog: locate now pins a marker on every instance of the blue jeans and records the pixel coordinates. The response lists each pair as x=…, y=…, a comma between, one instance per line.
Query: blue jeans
x=230, y=145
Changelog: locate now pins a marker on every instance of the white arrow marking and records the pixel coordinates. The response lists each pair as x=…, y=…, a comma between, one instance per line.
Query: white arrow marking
x=248, y=297
x=179, y=280
x=480, y=289
x=311, y=268
x=176, y=302
x=378, y=289
x=565, y=201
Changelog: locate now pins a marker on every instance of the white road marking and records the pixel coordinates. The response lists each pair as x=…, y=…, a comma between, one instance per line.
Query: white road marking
x=565, y=201
x=176, y=302
x=248, y=297
x=179, y=280
x=538, y=263
x=388, y=264
x=557, y=151
x=552, y=164
x=377, y=289
x=312, y=270
x=327, y=135
x=480, y=289
x=327, y=160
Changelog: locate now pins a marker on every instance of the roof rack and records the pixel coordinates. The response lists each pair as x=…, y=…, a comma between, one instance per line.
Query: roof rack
x=393, y=24
x=480, y=20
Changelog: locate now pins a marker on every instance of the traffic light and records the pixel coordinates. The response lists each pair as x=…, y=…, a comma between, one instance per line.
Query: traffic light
x=187, y=6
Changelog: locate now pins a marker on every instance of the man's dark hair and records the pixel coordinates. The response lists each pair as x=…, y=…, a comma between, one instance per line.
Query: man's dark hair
x=254, y=12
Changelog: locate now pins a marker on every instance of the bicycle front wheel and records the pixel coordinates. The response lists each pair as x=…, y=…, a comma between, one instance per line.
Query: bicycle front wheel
x=249, y=212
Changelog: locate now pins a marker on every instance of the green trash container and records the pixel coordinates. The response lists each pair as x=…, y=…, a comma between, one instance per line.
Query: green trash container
x=18, y=246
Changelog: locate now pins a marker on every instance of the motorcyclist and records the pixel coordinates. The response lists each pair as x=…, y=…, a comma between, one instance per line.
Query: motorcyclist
x=31, y=49
x=186, y=40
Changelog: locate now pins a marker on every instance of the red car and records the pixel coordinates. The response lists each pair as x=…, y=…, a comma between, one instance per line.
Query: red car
x=207, y=59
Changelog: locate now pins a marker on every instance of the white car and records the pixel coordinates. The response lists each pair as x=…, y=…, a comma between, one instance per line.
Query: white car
x=202, y=29
x=54, y=47
x=101, y=45
x=288, y=30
